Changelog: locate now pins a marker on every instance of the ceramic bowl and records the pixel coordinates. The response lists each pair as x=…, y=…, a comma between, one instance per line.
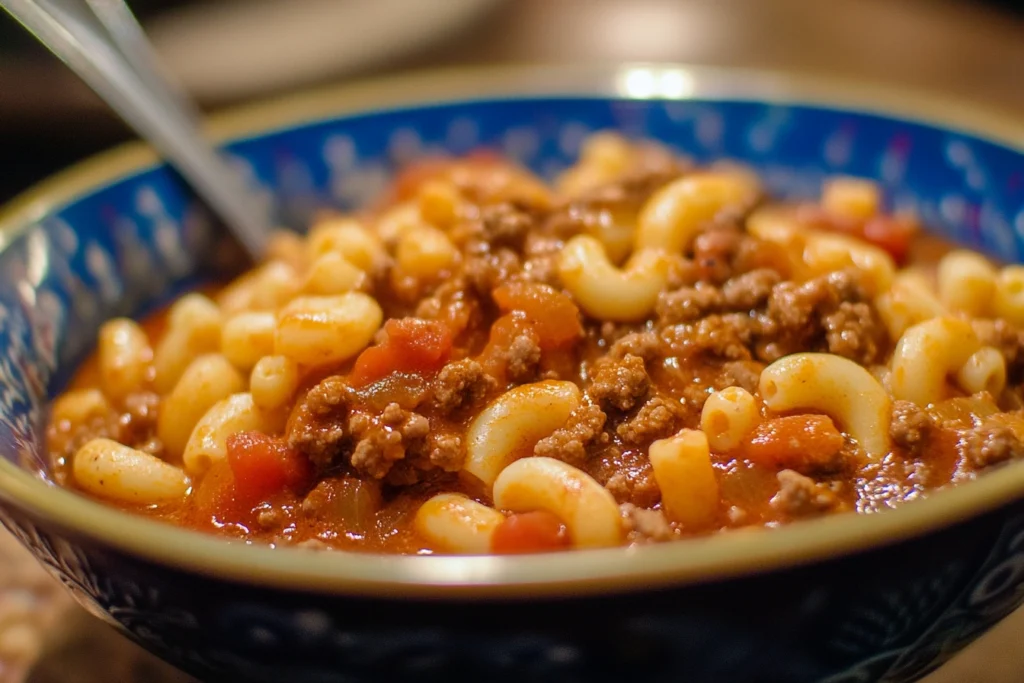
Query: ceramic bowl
x=852, y=598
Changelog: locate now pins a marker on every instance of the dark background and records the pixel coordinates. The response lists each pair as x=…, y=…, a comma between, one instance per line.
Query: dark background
x=970, y=48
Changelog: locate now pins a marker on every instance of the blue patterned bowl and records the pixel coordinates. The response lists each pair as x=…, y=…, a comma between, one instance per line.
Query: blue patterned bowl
x=885, y=597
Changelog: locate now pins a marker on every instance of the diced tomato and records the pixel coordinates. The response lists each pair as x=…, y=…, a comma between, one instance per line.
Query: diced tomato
x=411, y=345
x=892, y=233
x=553, y=315
x=216, y=499
x=529, y=532
x=263, y=466
x=799, y=442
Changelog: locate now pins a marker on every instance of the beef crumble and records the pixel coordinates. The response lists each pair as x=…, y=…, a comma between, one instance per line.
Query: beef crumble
x=619, y=384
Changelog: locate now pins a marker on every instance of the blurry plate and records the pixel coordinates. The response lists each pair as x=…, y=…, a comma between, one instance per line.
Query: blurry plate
x=241, y=48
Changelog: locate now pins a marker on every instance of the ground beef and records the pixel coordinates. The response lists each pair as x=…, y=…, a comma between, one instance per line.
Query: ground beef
x=1010, y=342
x=137, y=423
x=645, y=526
x=627, y=474
x=619, y=384
x=506, y=225
x=682, y=272
x=741, y=373
x=714, y=250
x=523, y=357
x=486, y=269
x=911, y=426
x=800, y=495
x=376, y=450
x=541, y=262
x=795, y=313
x=988, y=444
x=688, y=303
x=452, y=300
x=750, y=290
x=657, y=418
x=569, y=443
x=382, y=440
x=271, y=518
x=726, y=336
x=316, y=428
x=460, y=384
x=853, y=330
x=447, y=452
x=646, y=345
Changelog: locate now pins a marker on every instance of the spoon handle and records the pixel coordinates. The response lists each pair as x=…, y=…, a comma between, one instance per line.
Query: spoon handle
x=128, y=36
x=152, y=110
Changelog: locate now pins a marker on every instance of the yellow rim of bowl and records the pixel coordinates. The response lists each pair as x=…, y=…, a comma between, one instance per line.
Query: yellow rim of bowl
x=573, y=573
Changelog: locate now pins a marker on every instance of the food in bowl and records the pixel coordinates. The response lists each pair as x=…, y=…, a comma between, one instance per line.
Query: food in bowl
x=645, y=351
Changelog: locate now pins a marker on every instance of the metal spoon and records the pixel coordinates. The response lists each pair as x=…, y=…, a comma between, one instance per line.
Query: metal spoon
x=102, y=42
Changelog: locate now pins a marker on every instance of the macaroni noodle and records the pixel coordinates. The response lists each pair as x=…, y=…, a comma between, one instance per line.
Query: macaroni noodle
x=836, y=386
x=513, y=423
x=588, y=510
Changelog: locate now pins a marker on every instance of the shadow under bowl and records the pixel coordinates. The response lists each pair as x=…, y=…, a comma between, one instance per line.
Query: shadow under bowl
x=881, y=597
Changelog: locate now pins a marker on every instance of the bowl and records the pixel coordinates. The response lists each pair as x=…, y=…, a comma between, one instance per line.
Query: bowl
x=858, y=598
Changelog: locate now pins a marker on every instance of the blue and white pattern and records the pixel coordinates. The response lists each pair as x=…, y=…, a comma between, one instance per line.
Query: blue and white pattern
x=133, y=243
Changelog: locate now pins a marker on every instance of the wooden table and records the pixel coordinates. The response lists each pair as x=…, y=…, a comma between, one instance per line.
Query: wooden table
x=952, y=47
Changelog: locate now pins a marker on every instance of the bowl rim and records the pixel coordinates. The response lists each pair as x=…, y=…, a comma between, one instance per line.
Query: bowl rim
x=617, y=570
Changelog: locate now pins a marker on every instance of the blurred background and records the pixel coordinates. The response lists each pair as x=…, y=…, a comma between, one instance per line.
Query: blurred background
x=226, y=51
x=231, y=51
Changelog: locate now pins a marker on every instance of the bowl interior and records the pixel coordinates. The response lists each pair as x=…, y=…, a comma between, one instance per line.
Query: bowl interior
x=130, y=241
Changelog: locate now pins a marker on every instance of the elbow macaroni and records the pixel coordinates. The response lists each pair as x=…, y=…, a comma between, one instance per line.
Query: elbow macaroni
x=331, y=273
x=671, y=219
x=273, y=382
x=587, y=509
x=1009, y=297
x=439, y=203
x=247, y=337
x=513, y=423
x=322, y=330
x=79, y=406
x=682, y=468
x=208, y=442
x=199, y=317
x=456, y=524
x=852, y=198
x=908, y=302
x=207, y=380
x=425, y=253
x=926, y=355
x=125, y=358
x=836, y=386
x=967, y=282
x=985, y=370
x=605, y=291
x=114, y=471
x=828, y=252
x=348, y=238
x=727, y=417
